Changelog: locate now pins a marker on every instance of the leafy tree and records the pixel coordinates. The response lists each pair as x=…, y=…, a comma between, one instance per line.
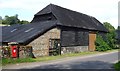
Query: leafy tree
x=101, y=45
x=111, y=35
x=24, y=22
x=10, y=20
x=108, y=26
x=110, y=40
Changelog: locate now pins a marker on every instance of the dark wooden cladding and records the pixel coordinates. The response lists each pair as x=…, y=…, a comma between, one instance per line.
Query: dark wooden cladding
x=82, y=38
x=68, y=38
x=74, y=38
x=44, y=17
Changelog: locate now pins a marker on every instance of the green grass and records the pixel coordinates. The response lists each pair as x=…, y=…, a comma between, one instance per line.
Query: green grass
x=6, y=61
x=117, y=66
x=63, y=56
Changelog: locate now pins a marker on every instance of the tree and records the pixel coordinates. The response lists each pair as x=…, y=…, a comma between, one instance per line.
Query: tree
x=24, y=22
x=101, y=45
x=11, y=20
x=110, y=37
x=108, y=26
x=110, y=40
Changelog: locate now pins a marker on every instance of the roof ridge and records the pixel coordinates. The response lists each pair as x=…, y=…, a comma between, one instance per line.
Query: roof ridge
x=68, y=9
x=71, y=18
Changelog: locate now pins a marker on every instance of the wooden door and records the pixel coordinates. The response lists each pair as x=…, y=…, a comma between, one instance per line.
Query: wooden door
x=92, y=38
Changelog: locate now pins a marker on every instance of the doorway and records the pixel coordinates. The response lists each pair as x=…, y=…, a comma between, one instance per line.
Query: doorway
x=54, y=47
x=92, y=38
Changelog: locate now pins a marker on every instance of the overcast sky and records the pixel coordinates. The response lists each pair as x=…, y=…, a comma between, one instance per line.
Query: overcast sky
x=103, y=10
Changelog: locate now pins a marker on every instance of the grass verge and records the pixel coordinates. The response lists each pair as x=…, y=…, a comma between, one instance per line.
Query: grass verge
x=47, y=58
x=117, y=66
x=6, y=61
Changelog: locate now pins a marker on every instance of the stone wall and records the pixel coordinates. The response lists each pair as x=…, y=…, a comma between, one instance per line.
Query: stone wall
x=74, y=49
x=41, y=44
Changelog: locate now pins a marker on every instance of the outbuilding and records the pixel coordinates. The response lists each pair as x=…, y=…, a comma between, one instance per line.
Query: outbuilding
x=56, y=27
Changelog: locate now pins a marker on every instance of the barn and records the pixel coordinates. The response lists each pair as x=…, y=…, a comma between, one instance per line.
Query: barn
x=55, y=27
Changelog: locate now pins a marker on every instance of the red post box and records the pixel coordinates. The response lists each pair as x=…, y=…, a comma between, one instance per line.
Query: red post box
x=14, y=51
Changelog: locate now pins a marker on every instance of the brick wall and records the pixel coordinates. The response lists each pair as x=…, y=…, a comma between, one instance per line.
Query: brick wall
x=41, y=44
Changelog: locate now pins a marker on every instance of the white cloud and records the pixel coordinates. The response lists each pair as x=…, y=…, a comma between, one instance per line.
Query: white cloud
x=103, y=10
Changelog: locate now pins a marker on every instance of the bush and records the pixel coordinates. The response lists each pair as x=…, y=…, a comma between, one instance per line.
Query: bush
x=101, y=45
x=110, y=39
x=117, y=66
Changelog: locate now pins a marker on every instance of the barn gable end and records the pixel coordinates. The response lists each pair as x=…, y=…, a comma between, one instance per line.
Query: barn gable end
x=41, y=44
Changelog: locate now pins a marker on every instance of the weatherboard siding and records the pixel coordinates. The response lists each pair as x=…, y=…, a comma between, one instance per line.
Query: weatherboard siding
x=41, y=44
